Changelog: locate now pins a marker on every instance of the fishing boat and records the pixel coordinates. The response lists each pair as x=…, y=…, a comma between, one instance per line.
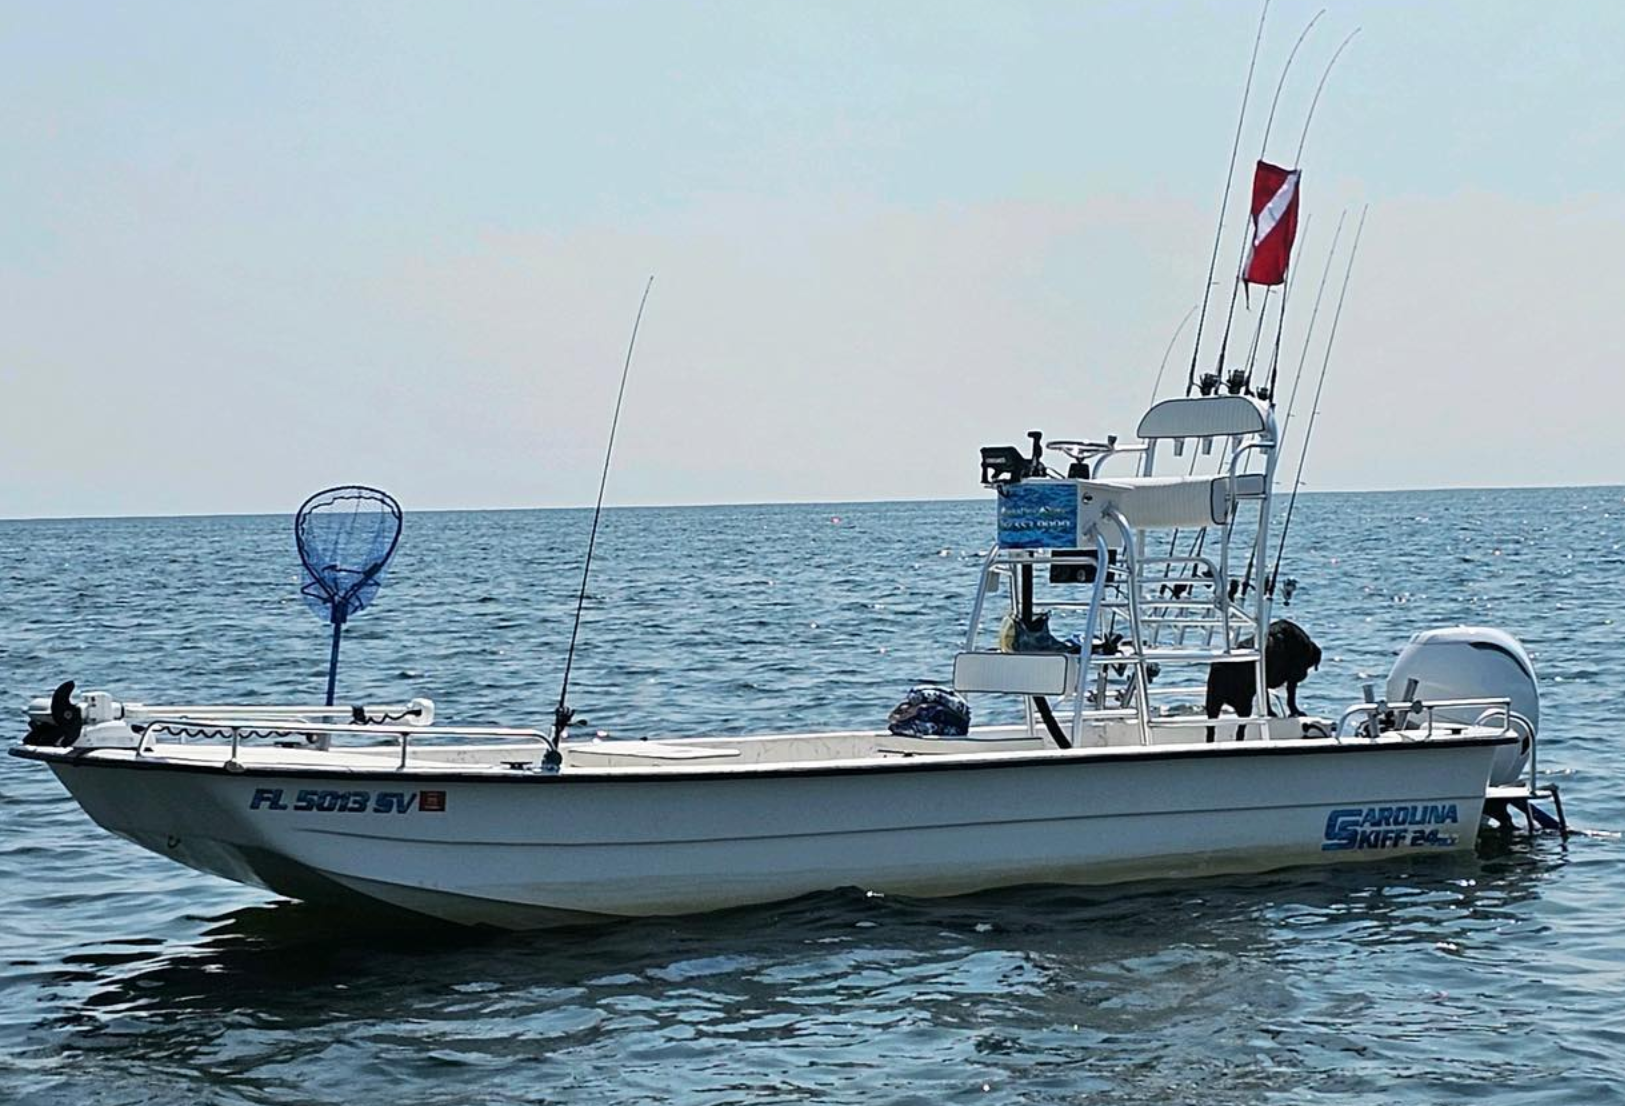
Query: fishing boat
x=1098, y=765
x=1123, y=604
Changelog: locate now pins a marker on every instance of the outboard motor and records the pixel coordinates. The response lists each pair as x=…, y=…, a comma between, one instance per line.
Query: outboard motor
x=1473, y=662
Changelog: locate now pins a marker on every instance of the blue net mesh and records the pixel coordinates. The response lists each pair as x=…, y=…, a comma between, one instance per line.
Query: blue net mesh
x=346, y=537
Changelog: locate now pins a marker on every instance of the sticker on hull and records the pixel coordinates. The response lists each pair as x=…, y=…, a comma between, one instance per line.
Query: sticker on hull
x=1415, y=825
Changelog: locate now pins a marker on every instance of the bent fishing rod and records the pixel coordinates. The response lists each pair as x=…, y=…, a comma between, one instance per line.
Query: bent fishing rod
x=562, y=713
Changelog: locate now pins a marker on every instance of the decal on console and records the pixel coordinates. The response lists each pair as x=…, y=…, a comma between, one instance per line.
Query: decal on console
x=1418, y=825
x=349, y=802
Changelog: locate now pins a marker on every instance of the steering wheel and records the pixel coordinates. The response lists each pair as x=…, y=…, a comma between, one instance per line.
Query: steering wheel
x=1078, y=450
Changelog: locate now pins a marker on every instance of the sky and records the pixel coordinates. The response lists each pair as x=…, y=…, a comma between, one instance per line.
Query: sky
x=251, y=250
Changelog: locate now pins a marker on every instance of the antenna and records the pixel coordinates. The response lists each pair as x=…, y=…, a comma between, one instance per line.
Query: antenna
x=1314, y=408
x=562, y=713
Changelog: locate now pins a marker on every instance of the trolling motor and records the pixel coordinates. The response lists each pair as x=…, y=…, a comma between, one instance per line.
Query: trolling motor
x=346, y=537
x=61, y=727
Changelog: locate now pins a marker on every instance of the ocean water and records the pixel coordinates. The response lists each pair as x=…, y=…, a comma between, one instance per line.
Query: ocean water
x=125, y=979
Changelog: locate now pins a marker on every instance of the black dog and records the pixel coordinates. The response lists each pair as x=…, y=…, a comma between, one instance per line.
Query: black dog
x=1288, y=656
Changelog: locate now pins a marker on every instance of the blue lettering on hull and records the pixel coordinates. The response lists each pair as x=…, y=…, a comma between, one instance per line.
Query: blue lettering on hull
x=1416, y=825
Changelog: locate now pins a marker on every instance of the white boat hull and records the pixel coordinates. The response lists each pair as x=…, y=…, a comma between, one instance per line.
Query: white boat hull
x=528, y=849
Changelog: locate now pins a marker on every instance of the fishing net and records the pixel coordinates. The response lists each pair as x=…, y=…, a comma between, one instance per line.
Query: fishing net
x=346, y=537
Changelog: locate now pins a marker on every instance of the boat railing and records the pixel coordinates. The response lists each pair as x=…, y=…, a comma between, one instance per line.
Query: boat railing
x=1136, y=450
x=142, y=713
x=262, y=725
x=418, y=712
x=1379, y=712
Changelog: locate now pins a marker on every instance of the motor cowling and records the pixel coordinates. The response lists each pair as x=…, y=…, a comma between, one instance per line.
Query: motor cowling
x=1473, y=662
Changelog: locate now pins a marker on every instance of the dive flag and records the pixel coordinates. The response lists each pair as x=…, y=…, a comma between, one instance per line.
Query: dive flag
x=1275, y=224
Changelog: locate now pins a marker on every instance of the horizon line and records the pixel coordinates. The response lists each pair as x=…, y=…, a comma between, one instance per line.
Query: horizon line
x=765, y=503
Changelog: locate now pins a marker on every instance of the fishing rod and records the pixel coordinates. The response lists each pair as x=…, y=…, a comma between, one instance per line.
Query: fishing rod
x=1224, y=202
x=1268, y=391
x=1269, y=122
x=1314, y=410
x=1299, y=247
x=1156, y=385
x=1308, y=335
x=1275, y=349
x=1297, y=160
x=1197, y=541
x=562, y=713
x=1280, y=437
x=1258, y=334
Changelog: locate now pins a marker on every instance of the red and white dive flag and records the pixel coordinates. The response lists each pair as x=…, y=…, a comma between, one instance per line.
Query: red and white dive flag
x=1275, y=224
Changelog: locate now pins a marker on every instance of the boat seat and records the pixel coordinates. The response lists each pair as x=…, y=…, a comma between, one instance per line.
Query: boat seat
x=1165, y=502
